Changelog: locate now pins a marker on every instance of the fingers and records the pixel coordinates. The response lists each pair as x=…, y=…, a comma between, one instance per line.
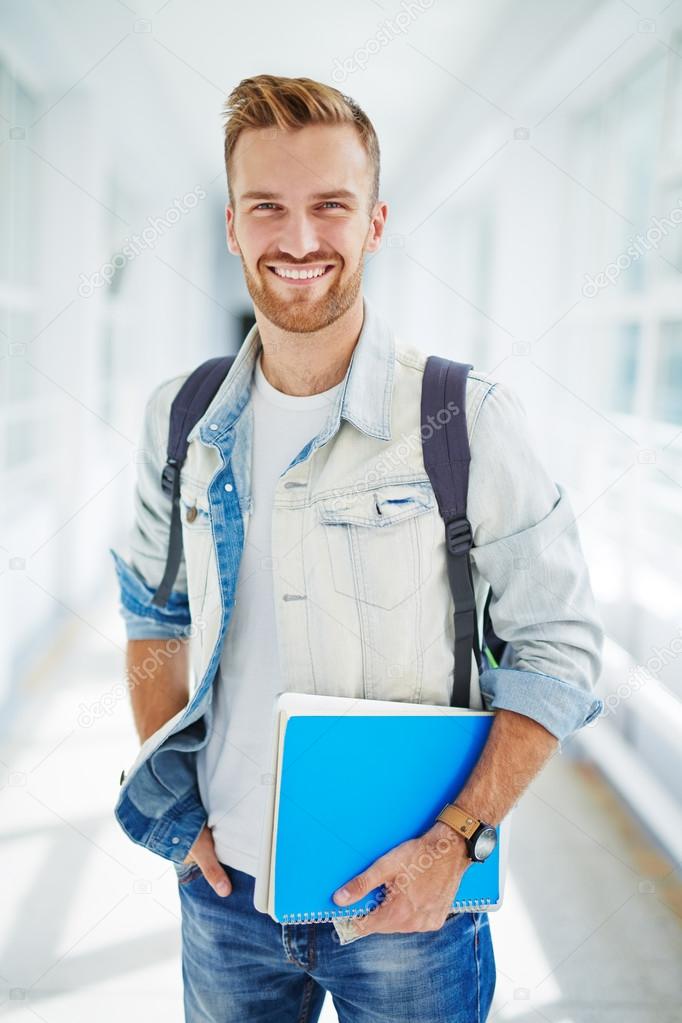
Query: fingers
x=364, y=925
x=379, y=921
x=362, y=883
x=378, y=917
x=217, y=877
x=396, y=915
x=203, y=853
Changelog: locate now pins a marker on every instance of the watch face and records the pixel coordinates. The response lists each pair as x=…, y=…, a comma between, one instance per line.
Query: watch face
x=485, y=843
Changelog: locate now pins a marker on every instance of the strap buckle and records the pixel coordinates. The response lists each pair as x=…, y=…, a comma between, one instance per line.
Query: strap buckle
x=170, y=471
x=458, y=536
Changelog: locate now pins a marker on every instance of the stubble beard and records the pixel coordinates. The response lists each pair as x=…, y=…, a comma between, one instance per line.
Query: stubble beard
x=301, y=314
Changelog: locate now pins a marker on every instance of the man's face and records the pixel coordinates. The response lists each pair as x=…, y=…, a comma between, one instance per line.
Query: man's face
x=301, y=203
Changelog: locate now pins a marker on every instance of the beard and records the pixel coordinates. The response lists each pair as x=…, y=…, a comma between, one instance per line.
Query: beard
x=300, y=312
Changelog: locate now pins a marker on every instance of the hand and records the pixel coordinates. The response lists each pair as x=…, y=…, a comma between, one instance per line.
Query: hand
x=203, y=854
x=420, y=877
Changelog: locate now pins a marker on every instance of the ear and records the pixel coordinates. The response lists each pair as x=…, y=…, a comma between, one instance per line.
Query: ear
x=232, y=243
x=376, y=227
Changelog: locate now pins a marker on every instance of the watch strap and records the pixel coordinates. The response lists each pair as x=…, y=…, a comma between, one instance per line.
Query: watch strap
x=460, y=821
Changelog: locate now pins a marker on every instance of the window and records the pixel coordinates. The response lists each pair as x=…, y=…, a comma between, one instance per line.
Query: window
x=20, y=387
x=668, y=388
x=623, y=367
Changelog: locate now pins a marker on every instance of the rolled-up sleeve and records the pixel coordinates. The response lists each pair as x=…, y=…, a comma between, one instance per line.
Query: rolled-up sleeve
x=527, y=548
x=139, y=577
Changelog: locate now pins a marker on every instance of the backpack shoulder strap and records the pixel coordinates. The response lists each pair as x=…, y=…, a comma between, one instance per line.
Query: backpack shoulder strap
x=445, y=447
x=189, y=405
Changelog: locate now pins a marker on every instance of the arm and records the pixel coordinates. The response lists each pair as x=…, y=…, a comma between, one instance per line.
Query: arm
x=422, y=875
x=148, y=540
x=159, y=674
x=158, y=638
x=526, y=547
x=516, y=751
x=528, y=550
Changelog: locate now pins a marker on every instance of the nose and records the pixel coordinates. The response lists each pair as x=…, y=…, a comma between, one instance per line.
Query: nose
x=299, y=236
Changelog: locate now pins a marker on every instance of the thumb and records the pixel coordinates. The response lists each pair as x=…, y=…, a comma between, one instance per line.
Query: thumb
x=363, y=883
x=205, y=855
x=216, y=875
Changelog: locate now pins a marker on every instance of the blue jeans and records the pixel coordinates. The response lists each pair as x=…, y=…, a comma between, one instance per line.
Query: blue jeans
x=239, y=964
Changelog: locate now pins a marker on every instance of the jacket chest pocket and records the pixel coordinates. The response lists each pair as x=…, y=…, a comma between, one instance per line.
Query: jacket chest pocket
x=380, y=542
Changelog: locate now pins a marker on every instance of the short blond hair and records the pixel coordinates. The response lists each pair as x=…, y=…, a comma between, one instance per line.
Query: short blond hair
x=271, y=101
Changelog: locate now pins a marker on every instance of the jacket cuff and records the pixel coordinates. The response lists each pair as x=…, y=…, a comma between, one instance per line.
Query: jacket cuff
x=143, y=620
x=561, y=707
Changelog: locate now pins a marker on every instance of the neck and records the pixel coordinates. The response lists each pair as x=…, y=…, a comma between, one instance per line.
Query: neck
x=304, y=364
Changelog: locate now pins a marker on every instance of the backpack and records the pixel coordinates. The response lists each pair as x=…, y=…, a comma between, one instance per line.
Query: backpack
x=446, y=456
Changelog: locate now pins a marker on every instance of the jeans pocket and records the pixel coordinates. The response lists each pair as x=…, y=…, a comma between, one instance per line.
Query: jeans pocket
x=187, y=872
x=459, y=916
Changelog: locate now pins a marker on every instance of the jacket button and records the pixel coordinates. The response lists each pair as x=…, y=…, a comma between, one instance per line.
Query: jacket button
x=123, y=774
x=191, y=513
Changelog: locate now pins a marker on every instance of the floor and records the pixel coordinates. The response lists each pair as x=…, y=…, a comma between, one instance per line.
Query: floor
x=589, y=932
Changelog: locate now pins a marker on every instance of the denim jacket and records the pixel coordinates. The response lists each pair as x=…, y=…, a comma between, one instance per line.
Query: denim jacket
x=363, y=605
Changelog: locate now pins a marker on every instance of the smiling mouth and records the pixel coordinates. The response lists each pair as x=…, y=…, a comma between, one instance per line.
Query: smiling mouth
x=302, y=275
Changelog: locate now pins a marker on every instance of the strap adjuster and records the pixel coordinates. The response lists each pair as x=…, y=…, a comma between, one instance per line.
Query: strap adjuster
x=458, y=536
x=170, y=471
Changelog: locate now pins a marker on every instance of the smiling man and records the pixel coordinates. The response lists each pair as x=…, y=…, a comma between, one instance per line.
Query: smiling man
x=302, y=242
x=289, y=581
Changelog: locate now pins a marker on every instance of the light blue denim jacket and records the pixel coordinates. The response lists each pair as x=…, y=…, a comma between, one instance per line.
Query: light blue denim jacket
x=363, y=606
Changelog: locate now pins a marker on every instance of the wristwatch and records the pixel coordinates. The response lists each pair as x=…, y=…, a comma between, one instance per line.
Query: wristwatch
x=479, y=836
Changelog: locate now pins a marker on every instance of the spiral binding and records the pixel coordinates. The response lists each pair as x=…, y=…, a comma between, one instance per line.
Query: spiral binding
x=466, y=905
x=319, y=917
x=473, y=905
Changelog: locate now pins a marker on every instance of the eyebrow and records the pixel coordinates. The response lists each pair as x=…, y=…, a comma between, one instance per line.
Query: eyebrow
x=340, y=193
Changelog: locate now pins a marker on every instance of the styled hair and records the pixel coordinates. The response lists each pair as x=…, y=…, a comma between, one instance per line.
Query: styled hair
x=271, y=101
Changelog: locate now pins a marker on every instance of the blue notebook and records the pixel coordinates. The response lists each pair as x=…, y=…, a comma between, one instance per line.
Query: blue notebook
x=351, y=780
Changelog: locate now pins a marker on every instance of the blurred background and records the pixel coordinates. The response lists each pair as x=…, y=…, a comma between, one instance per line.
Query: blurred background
x=532, y=163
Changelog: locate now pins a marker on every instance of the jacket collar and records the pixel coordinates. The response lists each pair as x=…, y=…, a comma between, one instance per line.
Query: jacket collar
x=364, y=400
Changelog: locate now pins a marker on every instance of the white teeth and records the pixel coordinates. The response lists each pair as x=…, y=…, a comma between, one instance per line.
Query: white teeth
x=297, y=275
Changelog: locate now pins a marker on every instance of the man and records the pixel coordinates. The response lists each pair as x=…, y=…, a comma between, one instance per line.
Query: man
x=290, y=580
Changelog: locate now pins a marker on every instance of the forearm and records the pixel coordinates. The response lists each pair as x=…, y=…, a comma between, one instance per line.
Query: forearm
x=516, y=750
x=158, y=675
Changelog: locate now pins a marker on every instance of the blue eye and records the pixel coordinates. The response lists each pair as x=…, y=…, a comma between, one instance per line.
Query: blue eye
x=327, y=202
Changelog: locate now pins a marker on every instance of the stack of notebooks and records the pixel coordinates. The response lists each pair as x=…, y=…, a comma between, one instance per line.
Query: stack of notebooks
x=352, y=779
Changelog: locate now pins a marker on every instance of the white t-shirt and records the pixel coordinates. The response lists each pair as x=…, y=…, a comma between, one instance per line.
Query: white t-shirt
x=234, y=765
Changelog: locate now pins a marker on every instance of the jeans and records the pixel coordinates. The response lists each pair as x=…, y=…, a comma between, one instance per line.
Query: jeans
x=239, y=964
